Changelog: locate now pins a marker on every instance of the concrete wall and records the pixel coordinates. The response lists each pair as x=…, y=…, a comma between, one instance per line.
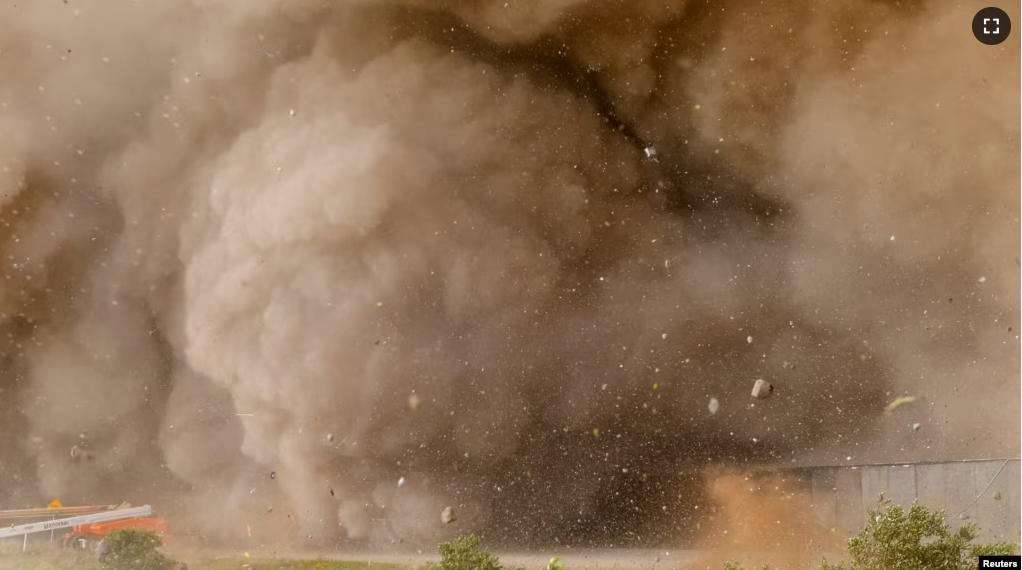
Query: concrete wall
x=983, y=491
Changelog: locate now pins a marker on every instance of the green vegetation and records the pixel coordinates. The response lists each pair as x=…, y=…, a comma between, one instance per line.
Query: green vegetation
x=67, y=559
x=287, y=564
x=917, y=539
x=50, y=560
x=136, y=549
x=465, y=553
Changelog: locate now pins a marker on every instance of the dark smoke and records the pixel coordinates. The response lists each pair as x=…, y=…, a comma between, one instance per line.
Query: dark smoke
x=502, y=252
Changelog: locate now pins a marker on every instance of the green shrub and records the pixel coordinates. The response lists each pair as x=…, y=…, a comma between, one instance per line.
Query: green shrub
x=919, y=539
x=465, y=553
x=135, y=549
x=555, y=564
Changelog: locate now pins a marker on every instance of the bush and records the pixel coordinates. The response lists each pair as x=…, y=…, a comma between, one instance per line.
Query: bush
x=917, y=540
x=135, y=549
x=465, y=553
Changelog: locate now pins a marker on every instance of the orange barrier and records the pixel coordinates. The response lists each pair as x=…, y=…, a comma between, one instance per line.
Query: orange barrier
x=96, y=531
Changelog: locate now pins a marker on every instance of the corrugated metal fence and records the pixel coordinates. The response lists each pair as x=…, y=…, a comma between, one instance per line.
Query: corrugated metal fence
x=982, y=491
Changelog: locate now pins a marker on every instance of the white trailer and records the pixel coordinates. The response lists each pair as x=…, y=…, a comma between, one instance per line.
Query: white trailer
x=43, y=526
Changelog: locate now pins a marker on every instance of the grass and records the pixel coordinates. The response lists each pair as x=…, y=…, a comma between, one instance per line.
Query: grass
x=86, y=560
x=286, y=564
x=48, y=560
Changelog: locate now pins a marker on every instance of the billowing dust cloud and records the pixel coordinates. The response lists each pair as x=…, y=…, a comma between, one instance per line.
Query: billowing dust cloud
x=329, y=268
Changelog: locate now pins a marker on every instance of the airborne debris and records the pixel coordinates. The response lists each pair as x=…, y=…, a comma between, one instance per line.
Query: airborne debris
x=650, y=152
x=899, y=402
x=762, y=389
x=401, y=482
x=714, y=406
x=414, y=401
x=748, y=339
x=916, y=426
x=447, y=515
x=77, y=453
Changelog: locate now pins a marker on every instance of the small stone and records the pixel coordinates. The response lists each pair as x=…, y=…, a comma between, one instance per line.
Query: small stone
x=714, y=406
x=916, y=426
x=762, y=389
x=447, y=515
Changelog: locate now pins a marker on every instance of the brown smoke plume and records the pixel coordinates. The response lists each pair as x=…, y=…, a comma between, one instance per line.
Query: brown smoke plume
x=503, y=253
x=761, y=519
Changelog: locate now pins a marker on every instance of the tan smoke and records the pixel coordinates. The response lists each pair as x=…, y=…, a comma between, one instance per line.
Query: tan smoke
x=761, y=519
x=404, y=255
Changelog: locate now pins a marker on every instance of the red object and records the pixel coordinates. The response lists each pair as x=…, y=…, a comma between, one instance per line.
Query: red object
x=96, y=531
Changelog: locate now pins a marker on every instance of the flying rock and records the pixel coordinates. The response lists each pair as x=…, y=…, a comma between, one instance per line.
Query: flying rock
x=447, y=515
x=762, y=389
